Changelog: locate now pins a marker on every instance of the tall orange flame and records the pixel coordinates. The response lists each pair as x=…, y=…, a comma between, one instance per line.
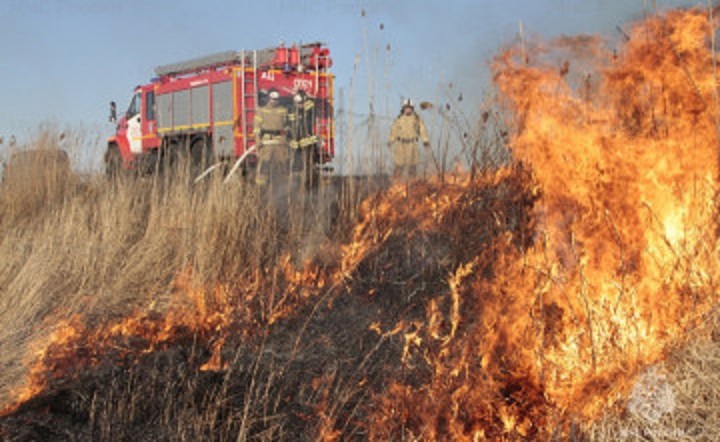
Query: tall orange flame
x=628, y=180
x=625, y=157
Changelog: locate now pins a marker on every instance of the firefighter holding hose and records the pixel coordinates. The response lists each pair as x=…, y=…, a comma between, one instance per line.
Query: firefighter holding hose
x=270, y=129
x=405, y=133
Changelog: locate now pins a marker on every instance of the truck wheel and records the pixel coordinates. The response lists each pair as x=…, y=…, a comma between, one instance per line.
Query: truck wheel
x=169, y=156
x=200, y=156
x=200, y=152
x=113, y=162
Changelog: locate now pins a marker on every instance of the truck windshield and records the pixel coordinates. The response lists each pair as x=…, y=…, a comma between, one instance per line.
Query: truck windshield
x=134, y=107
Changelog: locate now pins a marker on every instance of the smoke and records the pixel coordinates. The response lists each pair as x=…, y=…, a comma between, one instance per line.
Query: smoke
x=100, y=50
x=440, y=53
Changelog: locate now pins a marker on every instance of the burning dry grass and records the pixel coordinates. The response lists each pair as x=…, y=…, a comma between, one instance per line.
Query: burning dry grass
x=104, y=249
x=304, y=352
x=267, y=349
x=102, y=280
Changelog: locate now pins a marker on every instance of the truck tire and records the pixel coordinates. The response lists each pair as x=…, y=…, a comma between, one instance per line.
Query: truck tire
x=113, y=162
x=200, y=151
x=200, y=156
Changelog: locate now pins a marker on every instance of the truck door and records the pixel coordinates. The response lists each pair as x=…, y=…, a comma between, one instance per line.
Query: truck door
x=134, y=130
x=148, y=124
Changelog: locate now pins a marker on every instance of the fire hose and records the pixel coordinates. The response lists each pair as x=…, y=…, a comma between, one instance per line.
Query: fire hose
x=238, y=163
x=220, y=163
x=207, y=171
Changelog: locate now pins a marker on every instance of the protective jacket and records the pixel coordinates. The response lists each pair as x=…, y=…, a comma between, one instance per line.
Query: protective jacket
x=270, y=132
x=403, y=140
x=302, y=120
x=270, y=122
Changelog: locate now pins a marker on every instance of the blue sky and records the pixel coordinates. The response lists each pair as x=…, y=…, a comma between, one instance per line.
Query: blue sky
x=63, y=61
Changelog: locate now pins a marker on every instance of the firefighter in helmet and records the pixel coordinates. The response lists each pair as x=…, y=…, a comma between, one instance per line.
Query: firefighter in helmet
x=303, y=140
x=270, y=130
x=405, y=133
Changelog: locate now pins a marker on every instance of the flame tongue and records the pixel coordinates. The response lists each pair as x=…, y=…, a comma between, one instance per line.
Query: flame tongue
x=624, y=154
x=628, y=180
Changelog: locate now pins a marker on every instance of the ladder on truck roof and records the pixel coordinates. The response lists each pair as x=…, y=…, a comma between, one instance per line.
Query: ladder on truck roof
x=248, y=91
x=195, y=64
x=261, y=58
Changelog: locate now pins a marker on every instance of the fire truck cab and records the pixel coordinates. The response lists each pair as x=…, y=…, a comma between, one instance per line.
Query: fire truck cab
x=204, y=108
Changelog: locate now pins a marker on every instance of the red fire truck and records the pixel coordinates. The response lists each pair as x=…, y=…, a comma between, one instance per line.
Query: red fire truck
x=204, y=107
